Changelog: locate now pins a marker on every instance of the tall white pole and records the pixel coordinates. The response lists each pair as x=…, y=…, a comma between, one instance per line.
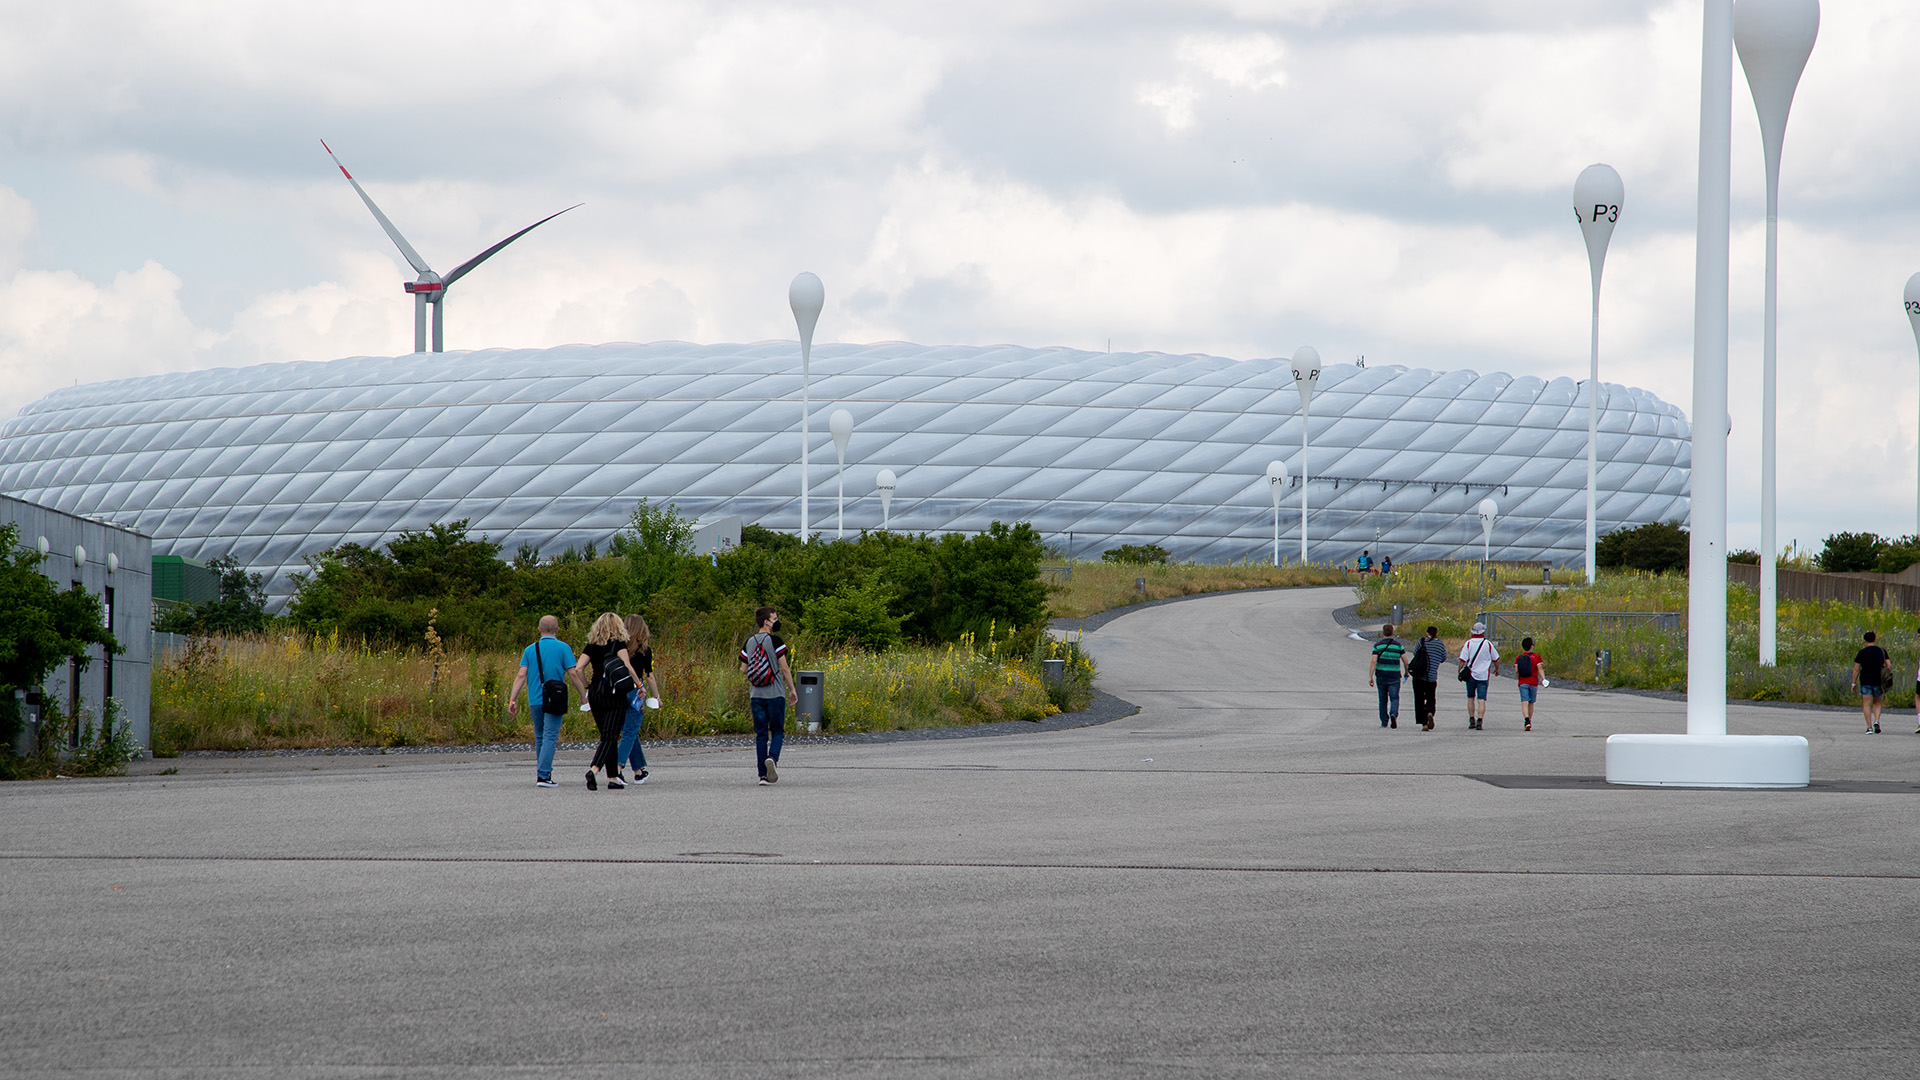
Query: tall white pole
x=1306, y=375
x=841, y=425
x=1276, y=475
x=1774, y=38
x=806, y=296
x=1707, y=555
x=1597, y=195
x=1913, y=316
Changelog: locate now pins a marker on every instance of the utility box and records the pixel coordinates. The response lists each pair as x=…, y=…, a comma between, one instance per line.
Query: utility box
x=812, y=694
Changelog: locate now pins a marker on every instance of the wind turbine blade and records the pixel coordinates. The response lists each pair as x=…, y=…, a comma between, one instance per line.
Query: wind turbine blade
x=460, y=271
x=419, y=264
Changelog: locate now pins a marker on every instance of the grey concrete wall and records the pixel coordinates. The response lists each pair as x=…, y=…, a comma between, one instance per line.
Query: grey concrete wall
x=129, y=574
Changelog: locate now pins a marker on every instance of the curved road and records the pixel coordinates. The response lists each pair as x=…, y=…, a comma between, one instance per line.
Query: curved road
x=1248, y=878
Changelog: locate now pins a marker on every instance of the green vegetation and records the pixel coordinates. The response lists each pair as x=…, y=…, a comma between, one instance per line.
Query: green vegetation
x=1136, y=554
x=1657, y=547
x=241, y=607
x=1867, y=553
x=41, y=627
x=1815, y=643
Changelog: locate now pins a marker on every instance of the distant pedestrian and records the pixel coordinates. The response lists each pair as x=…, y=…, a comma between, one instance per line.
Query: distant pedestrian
x=1872, y=671
x=1364, y=564
x=1479, y=662
x=1530, y=675
x=763, y=660
x=549, y=658
x=1383, y=673
x=646, y=688
x=1386, y=565
x=1424, y=666
x=606, y=688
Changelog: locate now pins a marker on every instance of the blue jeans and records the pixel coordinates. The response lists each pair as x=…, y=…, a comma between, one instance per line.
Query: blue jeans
x=1388, y=684
x=769, y=729
x=630, y=749
x=546, y=735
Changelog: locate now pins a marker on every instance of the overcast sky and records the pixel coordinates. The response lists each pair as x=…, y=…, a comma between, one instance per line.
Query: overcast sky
x=1387, y=178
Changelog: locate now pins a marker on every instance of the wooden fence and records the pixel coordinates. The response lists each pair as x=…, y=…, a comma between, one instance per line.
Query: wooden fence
x=1900, y=590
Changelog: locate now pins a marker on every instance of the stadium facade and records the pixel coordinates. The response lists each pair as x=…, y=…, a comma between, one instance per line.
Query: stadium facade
x=553, y=447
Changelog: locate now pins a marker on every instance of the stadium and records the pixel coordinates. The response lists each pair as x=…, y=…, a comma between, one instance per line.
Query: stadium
x=552, y=448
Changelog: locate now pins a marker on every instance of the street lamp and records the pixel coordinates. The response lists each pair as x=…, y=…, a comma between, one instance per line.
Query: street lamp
x=884, y=484
x=1597, y=197
x=841, y=425
x=1774, y=39
x=806, y=296
x=1706, y=756
x=1306, y=375
x=1913, y=316
x=1488, y=510
x=1276, y=476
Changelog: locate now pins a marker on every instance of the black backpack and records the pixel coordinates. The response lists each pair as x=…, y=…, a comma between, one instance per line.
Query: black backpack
x=1523, y=665
x=613, y=680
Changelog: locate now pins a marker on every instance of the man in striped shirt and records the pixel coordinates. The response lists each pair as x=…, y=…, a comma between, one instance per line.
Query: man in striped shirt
x=1383, y=674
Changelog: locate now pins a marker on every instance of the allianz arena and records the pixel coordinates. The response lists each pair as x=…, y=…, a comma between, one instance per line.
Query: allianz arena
x=553, y=447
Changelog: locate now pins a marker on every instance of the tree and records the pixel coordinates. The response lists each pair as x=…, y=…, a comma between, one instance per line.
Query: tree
x=1850, y=553
x=240, y=609
x=40, y=626
x=1658, y=546
x=1138, y=554
x=657, y=541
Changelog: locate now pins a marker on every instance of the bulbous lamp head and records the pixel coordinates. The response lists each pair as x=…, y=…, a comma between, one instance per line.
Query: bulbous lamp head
x=1774, y=39
x=1276, y=476
x=886, y=482
x=1913, y=306
x=1306, y=372
x=841, y=425
x=807, y=297
x=1488, y=509
x=1597, y=195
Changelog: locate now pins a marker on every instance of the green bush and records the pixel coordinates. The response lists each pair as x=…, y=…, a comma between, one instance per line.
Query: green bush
x=1850, y=553
x=1141, y=554
x=1658, y=547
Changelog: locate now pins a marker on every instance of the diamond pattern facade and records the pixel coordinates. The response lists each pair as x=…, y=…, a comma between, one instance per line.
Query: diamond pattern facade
x=553, y=447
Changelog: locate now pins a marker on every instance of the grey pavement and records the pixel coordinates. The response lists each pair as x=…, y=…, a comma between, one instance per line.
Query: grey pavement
x=1247, y=878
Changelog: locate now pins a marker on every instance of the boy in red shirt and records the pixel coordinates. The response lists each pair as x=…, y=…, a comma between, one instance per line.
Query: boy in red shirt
x=1527, y=672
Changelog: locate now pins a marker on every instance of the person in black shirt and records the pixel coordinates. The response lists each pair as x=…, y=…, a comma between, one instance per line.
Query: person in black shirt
x=606, y=641
x=1872, y=670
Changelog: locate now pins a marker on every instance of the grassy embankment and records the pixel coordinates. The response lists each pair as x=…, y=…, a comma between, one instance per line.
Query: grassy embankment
x=1815, y=643
x=282, y=689
x=1101, y=586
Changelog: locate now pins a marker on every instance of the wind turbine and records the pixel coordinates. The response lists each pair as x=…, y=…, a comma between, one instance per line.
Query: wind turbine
x=430, y=288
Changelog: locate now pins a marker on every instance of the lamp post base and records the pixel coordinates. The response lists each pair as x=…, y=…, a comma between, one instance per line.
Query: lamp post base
x=1709, y=761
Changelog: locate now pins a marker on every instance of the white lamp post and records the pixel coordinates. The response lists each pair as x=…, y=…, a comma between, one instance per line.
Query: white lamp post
x=806, y=296
x=1913, y=316
x=884, y=484
x=1488, y=510
x=1306, y=375
x=1597, y=196
x=841, y=425
x=1276, y=476
x=1774, y=39
x=1706, y=756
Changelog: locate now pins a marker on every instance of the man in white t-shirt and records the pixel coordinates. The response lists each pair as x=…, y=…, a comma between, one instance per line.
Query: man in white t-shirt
x=1482, y=662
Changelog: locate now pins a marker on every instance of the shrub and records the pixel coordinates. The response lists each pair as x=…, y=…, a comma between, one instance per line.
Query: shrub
x=1744, y=555
x=1141, y=554
x=1657, y=547
x=1850, y=553
x=855, y=615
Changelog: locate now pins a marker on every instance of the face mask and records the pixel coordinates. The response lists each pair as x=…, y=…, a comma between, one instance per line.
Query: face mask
x=776, y=624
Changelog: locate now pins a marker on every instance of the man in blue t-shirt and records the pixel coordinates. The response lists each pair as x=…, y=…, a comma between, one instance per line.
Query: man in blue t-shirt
x=548, y=659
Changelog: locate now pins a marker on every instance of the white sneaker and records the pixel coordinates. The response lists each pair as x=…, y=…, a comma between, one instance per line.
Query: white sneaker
x=773, y=771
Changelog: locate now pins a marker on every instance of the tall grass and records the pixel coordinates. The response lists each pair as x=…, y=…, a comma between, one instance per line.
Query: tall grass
x=1815, y=643
x=1101, y=586
x=281, y=690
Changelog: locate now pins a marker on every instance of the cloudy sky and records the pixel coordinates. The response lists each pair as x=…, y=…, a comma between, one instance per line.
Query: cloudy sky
x=1387, y=178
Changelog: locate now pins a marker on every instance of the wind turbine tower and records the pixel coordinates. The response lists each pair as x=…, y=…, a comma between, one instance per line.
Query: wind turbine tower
x=430, y=288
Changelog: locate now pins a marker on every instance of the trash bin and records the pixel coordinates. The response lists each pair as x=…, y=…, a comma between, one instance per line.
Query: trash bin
x=1053, y=673
x=812, y=692
x=1399, y=616
x=1140, y=586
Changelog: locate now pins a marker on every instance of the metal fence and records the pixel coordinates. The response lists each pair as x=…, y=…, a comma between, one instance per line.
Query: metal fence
x=1514, y=625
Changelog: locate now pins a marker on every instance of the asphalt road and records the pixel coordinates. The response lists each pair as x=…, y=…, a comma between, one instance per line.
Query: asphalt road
x=1248, y=878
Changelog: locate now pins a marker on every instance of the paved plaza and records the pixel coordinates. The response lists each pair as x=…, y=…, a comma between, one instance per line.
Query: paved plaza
x=1247, y=878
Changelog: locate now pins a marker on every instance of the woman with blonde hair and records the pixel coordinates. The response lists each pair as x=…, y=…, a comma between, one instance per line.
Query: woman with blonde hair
x=607, y=687
x=640, y=648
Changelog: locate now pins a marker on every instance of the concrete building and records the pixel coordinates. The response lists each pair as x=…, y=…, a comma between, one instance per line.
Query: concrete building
x=114, y=564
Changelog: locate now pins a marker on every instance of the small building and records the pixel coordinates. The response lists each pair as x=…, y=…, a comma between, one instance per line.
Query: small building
x=115, y=564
